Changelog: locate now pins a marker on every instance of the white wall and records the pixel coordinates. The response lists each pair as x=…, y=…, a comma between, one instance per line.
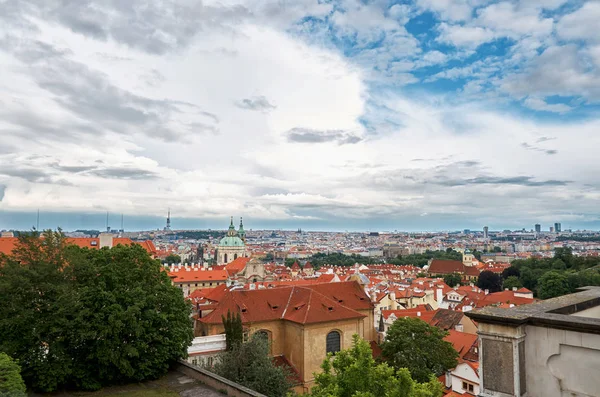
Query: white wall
x=464, y=372
x=562, y=363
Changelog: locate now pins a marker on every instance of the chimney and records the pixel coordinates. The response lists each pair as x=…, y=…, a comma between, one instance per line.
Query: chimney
x=439, y=295
x=373, y=296
x=514, y=288
x=487, y=291
x=106, y=240
x=418, y=314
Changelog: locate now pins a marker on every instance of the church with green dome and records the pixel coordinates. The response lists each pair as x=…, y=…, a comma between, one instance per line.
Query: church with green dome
x=232, y=246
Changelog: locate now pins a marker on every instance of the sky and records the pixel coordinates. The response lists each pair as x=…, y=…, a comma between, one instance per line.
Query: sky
x=341, y=114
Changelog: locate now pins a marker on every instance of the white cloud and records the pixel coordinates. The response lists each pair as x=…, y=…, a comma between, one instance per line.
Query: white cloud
x=540, y=104
x=465, y=36
x=582, y=24
x=508, y=19
x=559, y=70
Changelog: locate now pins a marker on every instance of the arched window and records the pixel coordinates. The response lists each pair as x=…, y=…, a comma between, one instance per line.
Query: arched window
x=333, y=342
x=263, y=334
x=234, y=256
x=225, y=258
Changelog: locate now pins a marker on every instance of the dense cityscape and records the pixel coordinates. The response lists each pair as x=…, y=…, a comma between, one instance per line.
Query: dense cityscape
x=285, y=198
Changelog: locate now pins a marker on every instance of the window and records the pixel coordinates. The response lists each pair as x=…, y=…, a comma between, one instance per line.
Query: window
x=210, y=361
x=333, y=342
x=471, y=388
x=234, y=256
x=464, y=385
x=194, y=362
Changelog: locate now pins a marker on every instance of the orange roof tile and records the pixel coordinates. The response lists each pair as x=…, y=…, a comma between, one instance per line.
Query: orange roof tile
x=237, y=265
x=197, y=275
x=303, y=305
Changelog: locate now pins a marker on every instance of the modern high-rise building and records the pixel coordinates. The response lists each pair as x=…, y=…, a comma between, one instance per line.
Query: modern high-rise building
x=485, y=232
x=551, y=229
x=538, y=228
x=557, y=227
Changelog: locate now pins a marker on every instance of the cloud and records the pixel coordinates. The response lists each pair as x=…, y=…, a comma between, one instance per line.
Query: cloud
x=581, y=24
x=538, y=149
x=258, y=103
x=464, y=36
x=307, y=135
x=139, y=101
x=2, y=190
x=559, y=70
x=123, y=173
x=540, y=104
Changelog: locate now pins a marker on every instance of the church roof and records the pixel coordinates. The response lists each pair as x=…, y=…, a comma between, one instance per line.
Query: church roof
x=299, y=304
x=231, y=241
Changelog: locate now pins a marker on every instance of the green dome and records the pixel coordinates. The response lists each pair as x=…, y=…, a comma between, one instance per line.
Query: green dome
x=231, y=241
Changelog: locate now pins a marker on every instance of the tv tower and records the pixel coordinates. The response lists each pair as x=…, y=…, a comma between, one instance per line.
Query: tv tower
x=168, y=227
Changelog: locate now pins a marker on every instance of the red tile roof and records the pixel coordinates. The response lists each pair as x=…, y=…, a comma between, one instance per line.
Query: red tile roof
x=445, y=266
x=237, y=265
x=195, y=275
x=302, y=305
x=461, y=341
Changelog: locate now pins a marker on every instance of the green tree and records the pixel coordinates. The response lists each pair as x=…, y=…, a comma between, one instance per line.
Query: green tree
x=11, y=383
x=354, y=373
x=173, y=258
x=553, y=284
x=510, y=271
x=512, y=282
x=490, y=281
x=88, y=318
x=453, y=279
x=234, y=331
x=412, y=343
x=250, y=365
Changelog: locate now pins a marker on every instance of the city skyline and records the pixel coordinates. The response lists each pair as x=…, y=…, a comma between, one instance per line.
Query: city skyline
x=98, y=221
x=341, y=114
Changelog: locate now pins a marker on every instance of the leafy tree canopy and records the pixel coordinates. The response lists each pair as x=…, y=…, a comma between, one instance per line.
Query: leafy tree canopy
x=579, y=270
x=421, y=260
x=354, y=373
x=490, y=281
x=173, y=258
x=453, y=279
x=11, y=383
x=553, y=284
x=250, y=365
x=412, y=343
x=510, y=271
x=512, y=282
x=86, y=318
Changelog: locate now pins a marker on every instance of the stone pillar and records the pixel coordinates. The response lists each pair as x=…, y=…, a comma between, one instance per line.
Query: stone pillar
x=502, y=360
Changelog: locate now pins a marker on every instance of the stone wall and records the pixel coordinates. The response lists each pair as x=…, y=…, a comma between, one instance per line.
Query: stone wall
x=562, y=363
x=215, y=381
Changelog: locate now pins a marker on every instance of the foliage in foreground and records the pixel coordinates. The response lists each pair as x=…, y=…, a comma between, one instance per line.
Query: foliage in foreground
x=11, y=383
x=81, y=318
x=354, y=373
x=412, y=343
x=250, y=365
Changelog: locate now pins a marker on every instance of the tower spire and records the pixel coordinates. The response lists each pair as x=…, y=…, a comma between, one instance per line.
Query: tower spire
x=168, y=226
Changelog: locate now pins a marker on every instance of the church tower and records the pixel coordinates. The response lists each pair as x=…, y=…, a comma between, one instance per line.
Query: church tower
x=231, y=246
x=241, y=232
